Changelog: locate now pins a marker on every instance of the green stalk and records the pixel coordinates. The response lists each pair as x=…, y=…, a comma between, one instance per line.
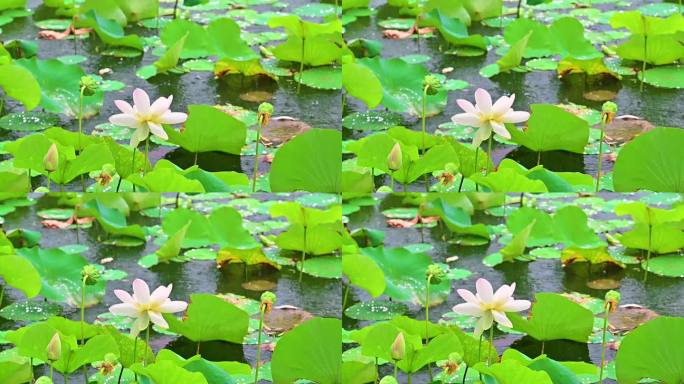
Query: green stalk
x=147, y=344
x=301, y=67
x=479, y=352
x=83, y=296
x=395, y=371
x=518, y=12
x=491, y=345
x=425, y=177
x=2, y=295
x=48, y=183
x=344, y=299
x=80, y=130
x=133, y=163
x=258, y=356
x=643, y=64
x=52, y=373
x=135, y=354
x=648, y=252
x=301, y=271
x=392, y=181
x=489, y=152
x=256, y=157
x=603, y=347
x=427, y=319
x=197, y=351
x=600, y=154
x=175, y=10
x=147, y=153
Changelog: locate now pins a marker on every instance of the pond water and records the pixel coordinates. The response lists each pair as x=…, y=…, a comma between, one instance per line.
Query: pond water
x=660, y=106
x=661, y=294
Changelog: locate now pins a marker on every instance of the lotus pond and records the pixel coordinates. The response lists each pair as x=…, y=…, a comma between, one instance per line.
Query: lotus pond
x=568, y=257
x=220, y=253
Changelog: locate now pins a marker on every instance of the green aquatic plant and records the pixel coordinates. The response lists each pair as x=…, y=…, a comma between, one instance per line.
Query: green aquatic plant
x=264, y=116
x=612, y=300
x=607, y=115
x=267, y=301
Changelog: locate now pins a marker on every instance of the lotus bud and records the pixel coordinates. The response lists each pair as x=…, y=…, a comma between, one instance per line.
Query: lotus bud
x=399, y=347
x=609, y=111
x=91, y=274
x=51, y=159
x=267, y=301
x=89, y=85
x=612, y=300
x=54, y=348
x=44, y=380
x=389, y=380
x=435, y=273
x=394, y=159
x=452, y=363
x=265, y=112
x=432, y=84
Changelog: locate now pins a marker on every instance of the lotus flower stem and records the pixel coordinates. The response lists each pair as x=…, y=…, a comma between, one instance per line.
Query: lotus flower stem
x=147, y=344
x=423, y=149
x=132, y=166
x=648, y=251
x=518, y=10
x=603, y=347
x=256, y=157
x=395, y=371
x=301, y=271
x=491, y=345
x=135, y=354
x=80, y=129
x=175, y=10
x=147, y=153
x=83, y=296
x=465, y=374
x=301, y=66
x=643, y=63
x=392, y=181
x=258, y=353
x=427, y=319
x=2, y=294
x=600, y=154
x=489, y=153
x=52, y=373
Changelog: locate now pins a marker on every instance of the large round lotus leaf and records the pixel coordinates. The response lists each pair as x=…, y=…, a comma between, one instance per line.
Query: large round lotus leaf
x=376, y=310
x=321, y=78
x=403, y=86
x=372, y=120
x=665, y=77
x=668, y=265
x=312, y=351
x=309, y=162
x=29, y=121
x=655, y=350
x=652, y=162
x=30, y=311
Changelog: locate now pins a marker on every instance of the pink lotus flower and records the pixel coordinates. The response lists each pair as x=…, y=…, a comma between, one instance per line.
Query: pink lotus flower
x=146, y=307
x=490, y=306
x=487, y=117
x=146, y=118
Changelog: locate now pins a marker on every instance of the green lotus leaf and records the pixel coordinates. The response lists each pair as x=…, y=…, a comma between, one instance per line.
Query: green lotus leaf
x=638, y=168
x=211, y=318
x=641, y=354
x=402, y=84
x=312, y=351
x=316, y=155
x=555, y=317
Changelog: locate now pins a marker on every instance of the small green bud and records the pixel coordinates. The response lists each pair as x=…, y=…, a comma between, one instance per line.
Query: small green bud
x=54, y=348
x=432, y=84
x=612, y=300
x=609, y=110
x=435, y=273
x=91, y=274
x=264, y=113
x=398, y=349
x=389, y=380
x=89, y=85
x=51, y=159
x=44, y=380
x=394, y=159
x=267, y=300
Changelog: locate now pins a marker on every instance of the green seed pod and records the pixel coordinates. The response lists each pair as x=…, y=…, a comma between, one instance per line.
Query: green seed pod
x=436, y=273
x=89, y=85
x=264, y=113
x=91, y=274
x=609, y=110
x=612, y=300
x=267, y=300
x=432, y=84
